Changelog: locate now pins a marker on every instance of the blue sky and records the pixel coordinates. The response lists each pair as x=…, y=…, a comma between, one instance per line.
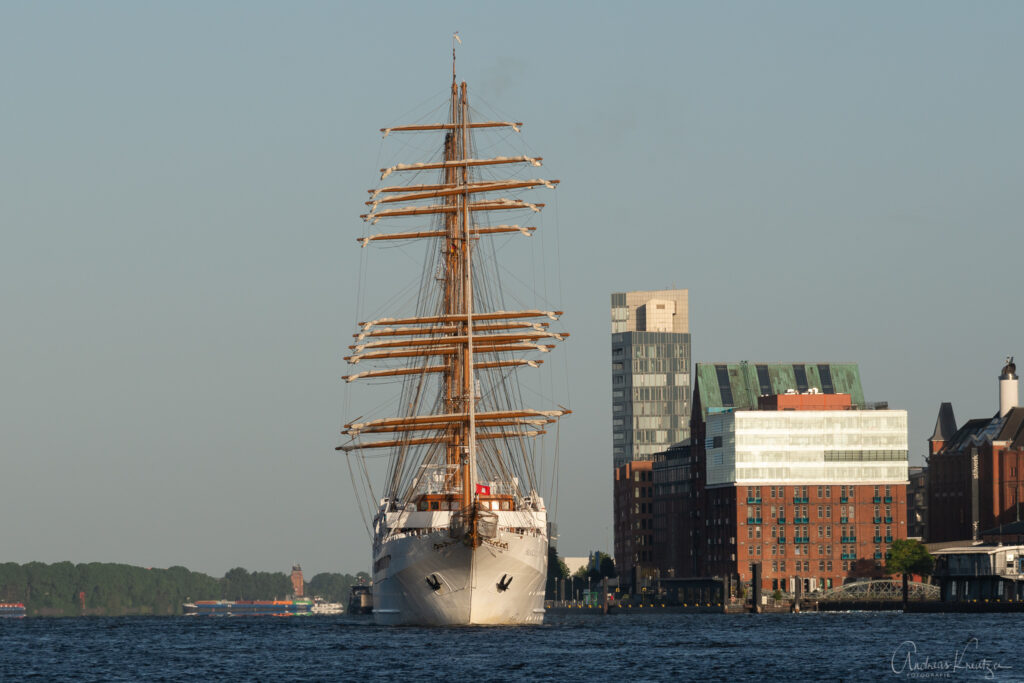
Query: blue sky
x=180, y=187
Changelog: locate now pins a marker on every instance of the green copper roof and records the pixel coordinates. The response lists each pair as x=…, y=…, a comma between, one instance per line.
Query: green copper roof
x=738, y=385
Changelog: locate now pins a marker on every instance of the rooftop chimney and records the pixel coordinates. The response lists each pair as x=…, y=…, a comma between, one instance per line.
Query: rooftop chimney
x=1008, y=392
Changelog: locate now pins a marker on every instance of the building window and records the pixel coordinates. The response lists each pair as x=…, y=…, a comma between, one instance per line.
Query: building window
x=828, y=491
x=800, y=374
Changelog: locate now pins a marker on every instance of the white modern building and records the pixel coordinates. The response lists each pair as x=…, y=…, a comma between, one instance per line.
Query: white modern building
x=855, y=447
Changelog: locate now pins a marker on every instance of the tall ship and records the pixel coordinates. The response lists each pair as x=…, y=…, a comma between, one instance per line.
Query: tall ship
x=459, y=526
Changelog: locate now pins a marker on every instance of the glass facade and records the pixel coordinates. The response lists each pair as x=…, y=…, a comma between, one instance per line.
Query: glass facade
x=853, y=446
x=650, y=392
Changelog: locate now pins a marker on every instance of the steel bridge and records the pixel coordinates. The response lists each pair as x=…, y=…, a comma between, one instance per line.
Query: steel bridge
x=881, y=589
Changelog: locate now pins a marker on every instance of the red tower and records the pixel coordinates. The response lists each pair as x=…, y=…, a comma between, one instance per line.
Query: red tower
x=298, y=585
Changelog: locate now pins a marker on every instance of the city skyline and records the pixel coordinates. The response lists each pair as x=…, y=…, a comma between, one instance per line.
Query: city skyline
x=182, y=196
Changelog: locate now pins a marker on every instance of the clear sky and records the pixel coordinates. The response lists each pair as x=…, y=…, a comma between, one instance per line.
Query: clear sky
x=180, y=185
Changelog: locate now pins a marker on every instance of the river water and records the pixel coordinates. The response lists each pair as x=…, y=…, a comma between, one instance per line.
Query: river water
x=865, y=646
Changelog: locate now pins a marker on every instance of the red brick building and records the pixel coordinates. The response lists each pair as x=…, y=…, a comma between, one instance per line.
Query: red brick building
x=818, y=534
x=976, y=472
x=817, y=523
x=633, y=491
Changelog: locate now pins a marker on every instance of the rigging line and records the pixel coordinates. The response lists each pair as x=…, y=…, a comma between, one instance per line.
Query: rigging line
x=442, y=93
x=561, y=296
x=359, y=504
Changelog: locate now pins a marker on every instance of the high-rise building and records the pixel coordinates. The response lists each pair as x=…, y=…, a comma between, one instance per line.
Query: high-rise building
x=650, y=373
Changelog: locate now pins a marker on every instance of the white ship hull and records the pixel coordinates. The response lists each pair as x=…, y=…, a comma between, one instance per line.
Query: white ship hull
x=500, y=582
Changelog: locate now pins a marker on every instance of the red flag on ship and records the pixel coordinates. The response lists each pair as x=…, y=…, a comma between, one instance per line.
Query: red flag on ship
x=482, y=490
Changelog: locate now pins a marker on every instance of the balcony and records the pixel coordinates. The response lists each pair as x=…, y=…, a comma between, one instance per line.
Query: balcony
x=844, y=499
x=753, y=520
x=878, y=556
x=753, y=501
x=781, y=520
x=801, y=520
x=878, y=539
x=876, y=499
x=844, y=520
x=888, y=499
x=876, y=520
x=849, y=539
x=888, y=539
x=798, y=499
x=782, y=539
x=849, y=556
x=888, y=520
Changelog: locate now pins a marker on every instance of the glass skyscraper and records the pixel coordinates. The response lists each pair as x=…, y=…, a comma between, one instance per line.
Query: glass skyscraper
x=650, y=373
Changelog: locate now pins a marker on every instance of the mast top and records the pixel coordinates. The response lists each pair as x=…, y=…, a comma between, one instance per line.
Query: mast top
x=455, y=38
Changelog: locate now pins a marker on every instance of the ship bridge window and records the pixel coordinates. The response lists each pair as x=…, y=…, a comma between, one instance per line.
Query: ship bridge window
x=505, y=505
x=435, y=505
x=423, y=505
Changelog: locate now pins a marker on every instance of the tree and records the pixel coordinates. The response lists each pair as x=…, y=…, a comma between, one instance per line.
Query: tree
x=556, y=572
x=608, y=566
x=907, y=556
x=334, y=587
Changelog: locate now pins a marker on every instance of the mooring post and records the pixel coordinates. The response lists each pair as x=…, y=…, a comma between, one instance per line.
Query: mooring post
x=755, y=587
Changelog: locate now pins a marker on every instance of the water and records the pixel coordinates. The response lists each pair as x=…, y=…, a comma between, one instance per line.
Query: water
x=651, y=647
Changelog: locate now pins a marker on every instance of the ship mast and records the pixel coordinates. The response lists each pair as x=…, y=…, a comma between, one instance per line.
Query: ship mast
x=464, y=343
x=469, y=473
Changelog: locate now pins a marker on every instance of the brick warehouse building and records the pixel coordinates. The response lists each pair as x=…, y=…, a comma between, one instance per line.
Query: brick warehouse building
x=633, y=492
x=976, y=472
x=787, y=455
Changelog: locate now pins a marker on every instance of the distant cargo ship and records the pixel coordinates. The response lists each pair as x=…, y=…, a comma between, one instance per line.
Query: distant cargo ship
x=238, y=608
x=12, y=609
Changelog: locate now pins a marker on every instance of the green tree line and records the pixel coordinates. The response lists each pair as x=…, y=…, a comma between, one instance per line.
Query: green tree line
x=63, y=588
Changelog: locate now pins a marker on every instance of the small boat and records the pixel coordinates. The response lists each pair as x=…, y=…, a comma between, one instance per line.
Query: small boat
x=237, y=608
x=360, y=601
